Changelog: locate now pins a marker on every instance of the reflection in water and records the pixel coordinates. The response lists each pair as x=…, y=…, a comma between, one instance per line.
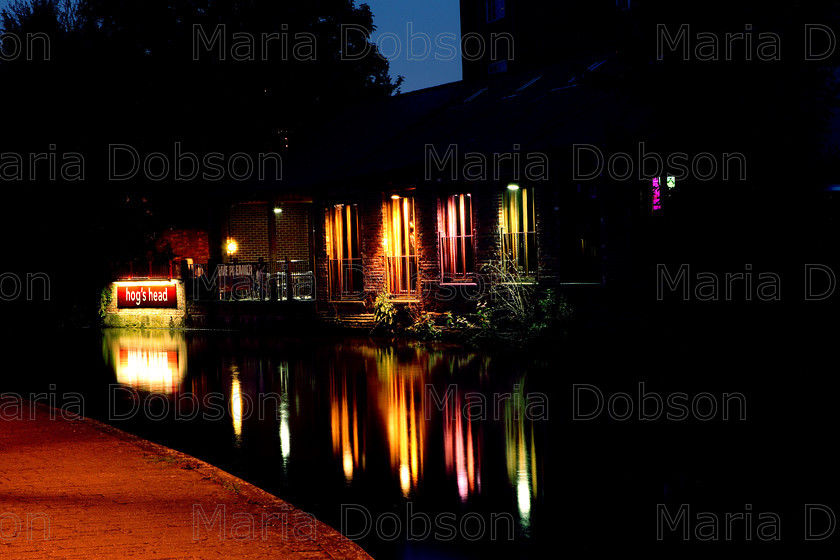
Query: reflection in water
x=236, y=404
x=283, y=413
x=460, y=449
x=344, y=424
x=521, y=454
x=382, y=418
x=147, y=360
x=400, y=397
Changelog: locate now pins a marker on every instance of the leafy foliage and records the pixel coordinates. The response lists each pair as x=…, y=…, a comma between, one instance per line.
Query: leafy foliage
x=424, y=327
x=384, y=311
x=106, y=296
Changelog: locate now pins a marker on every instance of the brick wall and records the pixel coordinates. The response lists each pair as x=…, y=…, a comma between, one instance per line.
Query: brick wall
x=292, y=227
x=248, y=226
x=189, y=243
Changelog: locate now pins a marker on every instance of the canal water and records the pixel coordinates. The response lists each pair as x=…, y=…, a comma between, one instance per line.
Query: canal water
x=427, y=450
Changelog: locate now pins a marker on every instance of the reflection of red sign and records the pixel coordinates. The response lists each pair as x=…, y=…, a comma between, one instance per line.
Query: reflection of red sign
x=147, y=296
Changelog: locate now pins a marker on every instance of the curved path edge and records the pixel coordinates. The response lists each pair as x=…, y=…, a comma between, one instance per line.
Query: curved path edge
x=74, y=487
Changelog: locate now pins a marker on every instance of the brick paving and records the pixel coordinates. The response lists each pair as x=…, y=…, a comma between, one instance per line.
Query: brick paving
x=77, y=488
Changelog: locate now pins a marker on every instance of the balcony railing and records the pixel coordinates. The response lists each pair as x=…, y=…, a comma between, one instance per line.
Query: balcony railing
x=457, y=258
x=347, y=279
x=519, y=250
x=402, y=275
x=278, y=281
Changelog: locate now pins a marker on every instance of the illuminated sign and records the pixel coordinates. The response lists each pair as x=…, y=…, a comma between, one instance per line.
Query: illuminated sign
x=226, y=270
x=147, y=295
x=657, y=203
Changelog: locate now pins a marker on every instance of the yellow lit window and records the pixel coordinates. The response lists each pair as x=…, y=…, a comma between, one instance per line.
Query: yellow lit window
x=519, y=235
x=400, y=246
x=346, y=273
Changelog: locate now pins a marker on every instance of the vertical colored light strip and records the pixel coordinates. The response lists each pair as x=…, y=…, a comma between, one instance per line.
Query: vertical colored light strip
x=656, y=194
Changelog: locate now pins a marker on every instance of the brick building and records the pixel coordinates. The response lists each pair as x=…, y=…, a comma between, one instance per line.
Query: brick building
x=418, y=195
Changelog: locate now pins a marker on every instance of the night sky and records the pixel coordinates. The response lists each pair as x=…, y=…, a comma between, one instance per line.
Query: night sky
x=432, y=17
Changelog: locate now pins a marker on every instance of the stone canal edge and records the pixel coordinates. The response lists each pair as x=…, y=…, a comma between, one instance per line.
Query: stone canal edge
x=73, y=487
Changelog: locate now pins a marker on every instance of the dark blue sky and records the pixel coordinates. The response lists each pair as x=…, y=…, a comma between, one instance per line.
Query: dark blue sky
x=396, y=20
x=438, y=19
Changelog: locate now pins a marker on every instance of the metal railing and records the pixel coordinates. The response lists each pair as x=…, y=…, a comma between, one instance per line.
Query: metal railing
x=347, y=279
x=402, y=275
x=457, y=258
x=277, y=281
x=297, y=276
x=519, y=249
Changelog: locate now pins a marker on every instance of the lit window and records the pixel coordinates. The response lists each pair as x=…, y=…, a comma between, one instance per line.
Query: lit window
x=400, y=246
x=456, y=238
x=346, y=275
x=495, y=10
x=519, y=235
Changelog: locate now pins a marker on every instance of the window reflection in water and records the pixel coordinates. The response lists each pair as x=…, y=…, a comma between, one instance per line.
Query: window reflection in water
x=148, y=360
x=462, y=448
x=283, y=413
x=236, y=404
x=521, y=454
x=344, y=423
x=400, y=398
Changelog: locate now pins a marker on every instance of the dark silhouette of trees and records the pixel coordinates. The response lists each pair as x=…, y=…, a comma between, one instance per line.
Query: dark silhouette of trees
x=128, y=72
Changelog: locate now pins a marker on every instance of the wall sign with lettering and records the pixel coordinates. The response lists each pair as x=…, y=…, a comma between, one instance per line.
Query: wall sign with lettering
x=147, y=295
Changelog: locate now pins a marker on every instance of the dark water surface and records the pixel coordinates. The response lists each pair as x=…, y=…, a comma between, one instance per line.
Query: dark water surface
x=424, y=450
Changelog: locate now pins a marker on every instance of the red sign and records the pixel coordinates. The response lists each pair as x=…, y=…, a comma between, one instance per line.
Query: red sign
x=144, y=295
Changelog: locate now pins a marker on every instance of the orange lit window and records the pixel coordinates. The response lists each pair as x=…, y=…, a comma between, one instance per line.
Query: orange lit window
x=400, y=246
x=519, y=235
x=346, y=274
x=457, y=255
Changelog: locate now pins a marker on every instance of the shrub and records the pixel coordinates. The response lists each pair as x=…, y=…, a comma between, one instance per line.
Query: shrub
x=384, y=311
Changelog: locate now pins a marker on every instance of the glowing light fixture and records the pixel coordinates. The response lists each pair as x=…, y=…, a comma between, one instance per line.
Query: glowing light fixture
x=395, y=197
x=513, y=187
x=278, y=210
x=232, y=247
